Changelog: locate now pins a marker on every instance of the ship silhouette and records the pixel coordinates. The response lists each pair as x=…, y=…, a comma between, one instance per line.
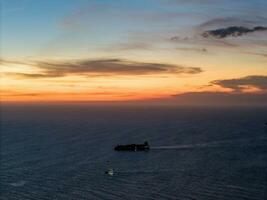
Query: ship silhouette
x=133, y=147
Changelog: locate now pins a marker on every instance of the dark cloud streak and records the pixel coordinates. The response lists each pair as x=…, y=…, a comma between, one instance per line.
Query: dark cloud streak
x=219, y=99
x=104, y=67
x=232, y=31
x=238, y=84
x=233, y=21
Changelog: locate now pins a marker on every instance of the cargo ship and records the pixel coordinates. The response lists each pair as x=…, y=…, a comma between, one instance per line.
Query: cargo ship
x=133, y=147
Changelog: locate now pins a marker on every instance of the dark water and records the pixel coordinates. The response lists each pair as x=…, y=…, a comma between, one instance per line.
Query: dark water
x=61, y=152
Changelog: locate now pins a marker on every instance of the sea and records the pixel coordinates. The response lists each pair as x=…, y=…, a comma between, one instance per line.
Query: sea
x=61, y=151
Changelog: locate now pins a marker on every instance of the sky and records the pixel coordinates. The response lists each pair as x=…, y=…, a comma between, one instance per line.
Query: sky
x=171, y=51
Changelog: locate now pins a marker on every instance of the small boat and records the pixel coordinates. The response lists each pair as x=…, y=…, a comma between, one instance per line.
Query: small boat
x=133, y=147
x=110, y=172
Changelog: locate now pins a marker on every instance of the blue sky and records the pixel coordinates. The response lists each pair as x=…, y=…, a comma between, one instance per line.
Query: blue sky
x=36, y=23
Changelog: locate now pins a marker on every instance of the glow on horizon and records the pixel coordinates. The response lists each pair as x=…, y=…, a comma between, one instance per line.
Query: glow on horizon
x=137, y=50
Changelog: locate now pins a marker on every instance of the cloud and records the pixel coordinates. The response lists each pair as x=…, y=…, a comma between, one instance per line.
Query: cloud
x=235, y=97
x=232, y=21
x=46, y=94
x=257, y=54
x=233, y=31
x=212, y=33
x=219, y=99
x=6, y=62
x=238, y=84
x=127, y=46
x=104, y=67
x=199, y=40
x=199, y=50
x=178, y=39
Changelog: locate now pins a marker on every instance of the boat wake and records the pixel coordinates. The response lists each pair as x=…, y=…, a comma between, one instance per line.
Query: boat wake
x=219, y=144
x=186, y=146
x=132, y=172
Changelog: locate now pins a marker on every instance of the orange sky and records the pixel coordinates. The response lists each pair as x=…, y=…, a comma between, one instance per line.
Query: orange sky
x=70, y=57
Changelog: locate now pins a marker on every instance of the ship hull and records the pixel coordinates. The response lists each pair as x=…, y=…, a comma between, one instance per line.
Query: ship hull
x=132, y=147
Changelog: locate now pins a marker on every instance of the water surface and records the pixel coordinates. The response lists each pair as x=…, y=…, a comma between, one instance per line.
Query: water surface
x=62, y=151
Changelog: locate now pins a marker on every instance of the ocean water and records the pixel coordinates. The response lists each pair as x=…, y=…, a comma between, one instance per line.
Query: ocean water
x=197, y=153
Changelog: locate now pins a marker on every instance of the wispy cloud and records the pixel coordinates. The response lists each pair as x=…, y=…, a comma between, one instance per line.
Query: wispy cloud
x=199, y=50
x=224, y=33
x=104, y=67
x=219, y=98
x=257, y=54
x=127, y=46
x=233, y=31
x=238, y=84
x=237, y=96
x=233, y=21
x=199, y=40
